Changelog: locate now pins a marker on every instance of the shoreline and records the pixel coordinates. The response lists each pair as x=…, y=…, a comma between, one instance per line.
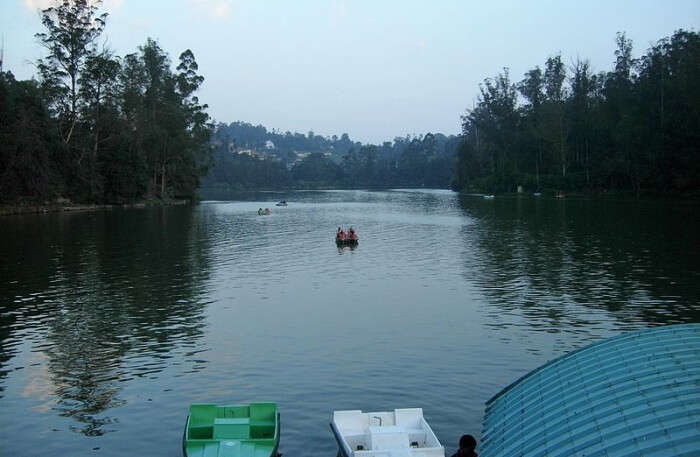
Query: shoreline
x=22, y=209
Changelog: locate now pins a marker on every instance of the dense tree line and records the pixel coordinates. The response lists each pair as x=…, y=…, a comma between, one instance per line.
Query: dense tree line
x=96, y=127
x=635, y=128
x=311, y=161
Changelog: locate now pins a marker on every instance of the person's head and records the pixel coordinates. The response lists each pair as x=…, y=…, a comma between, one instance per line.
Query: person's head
x=467, y=443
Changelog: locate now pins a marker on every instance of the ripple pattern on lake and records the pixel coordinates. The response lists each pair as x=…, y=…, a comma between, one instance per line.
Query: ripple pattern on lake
x=111, y=323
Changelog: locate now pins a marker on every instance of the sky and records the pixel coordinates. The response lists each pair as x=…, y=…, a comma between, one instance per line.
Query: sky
x=372, y=69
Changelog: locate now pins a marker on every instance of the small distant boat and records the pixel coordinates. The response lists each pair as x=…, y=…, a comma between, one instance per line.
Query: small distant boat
x=537, y=194
x=232, y=431
x=264, y=212
x=561, y=195
x=489, y=196
x=347, y=239
x=282, y=203
x=402, y=432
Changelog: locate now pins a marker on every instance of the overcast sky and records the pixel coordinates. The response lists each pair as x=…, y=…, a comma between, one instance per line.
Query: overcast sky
x=373, y=69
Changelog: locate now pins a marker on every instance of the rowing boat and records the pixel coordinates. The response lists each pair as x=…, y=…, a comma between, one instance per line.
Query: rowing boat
x=232, y=431
x=398, y=433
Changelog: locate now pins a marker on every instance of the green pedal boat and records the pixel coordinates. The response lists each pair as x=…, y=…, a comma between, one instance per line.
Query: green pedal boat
x=232, y=431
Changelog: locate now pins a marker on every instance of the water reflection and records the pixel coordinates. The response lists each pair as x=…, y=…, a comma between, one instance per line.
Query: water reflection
x=107, y=297
x=117, y=321
x=561, y=265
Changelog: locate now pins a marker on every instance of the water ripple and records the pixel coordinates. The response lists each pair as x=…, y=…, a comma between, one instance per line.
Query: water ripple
x=111, y=323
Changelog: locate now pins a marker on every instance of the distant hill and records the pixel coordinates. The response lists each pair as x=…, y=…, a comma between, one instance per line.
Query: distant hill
x=250, y=156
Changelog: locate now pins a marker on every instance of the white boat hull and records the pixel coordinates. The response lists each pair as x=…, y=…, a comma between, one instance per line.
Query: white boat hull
x=398, y=433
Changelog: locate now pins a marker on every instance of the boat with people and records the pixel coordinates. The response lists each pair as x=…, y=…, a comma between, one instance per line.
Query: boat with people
x=264, y=212
x=232, y=431
x=398, y=433
x=282, y=203
x=349, y=238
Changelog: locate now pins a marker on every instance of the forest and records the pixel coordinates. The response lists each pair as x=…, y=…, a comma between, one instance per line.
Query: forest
x=313, y=161
x=634, y=129
x=95, y=127
x=99, y=128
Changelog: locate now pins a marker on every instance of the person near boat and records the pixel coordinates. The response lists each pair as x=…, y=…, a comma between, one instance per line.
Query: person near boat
x=346, y=238
x=260, y=212
x=467, y=444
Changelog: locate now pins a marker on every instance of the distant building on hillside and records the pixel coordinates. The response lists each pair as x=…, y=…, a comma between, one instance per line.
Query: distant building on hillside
x=269, y=144
x=251, y=153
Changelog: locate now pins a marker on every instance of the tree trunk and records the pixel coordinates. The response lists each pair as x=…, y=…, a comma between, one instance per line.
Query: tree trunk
x=97, y=123
x=73, y=97
x=162, y=182
x=561, y=146
x=586, y=161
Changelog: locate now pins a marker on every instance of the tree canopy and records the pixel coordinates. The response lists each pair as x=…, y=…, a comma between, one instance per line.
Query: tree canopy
x=635, y=128
x=97, y=127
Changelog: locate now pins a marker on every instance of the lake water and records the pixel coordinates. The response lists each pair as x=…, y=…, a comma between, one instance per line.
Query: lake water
x=112, y=322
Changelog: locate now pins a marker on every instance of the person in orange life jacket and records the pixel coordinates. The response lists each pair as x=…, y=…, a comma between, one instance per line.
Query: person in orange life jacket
x=467, y=443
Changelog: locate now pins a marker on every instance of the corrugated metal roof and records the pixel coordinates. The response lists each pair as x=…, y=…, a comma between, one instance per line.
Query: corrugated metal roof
x=637, y=394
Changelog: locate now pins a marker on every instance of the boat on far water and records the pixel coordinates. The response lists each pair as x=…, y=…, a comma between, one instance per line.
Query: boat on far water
x=282, y=203
x=489, y=196
x=349, y=238
x=232, y=431
x=397, y=433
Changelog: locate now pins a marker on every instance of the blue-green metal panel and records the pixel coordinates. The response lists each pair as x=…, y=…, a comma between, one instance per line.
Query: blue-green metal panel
x=637, y=394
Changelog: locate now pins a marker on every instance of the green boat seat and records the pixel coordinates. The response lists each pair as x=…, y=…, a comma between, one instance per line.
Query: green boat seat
x=232, y=431
x=232, y=420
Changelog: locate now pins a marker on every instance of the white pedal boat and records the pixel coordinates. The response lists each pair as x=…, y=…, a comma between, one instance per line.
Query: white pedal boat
x=398, y=433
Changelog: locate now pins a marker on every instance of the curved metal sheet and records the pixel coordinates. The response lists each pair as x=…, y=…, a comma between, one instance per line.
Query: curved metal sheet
x=637, y=394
